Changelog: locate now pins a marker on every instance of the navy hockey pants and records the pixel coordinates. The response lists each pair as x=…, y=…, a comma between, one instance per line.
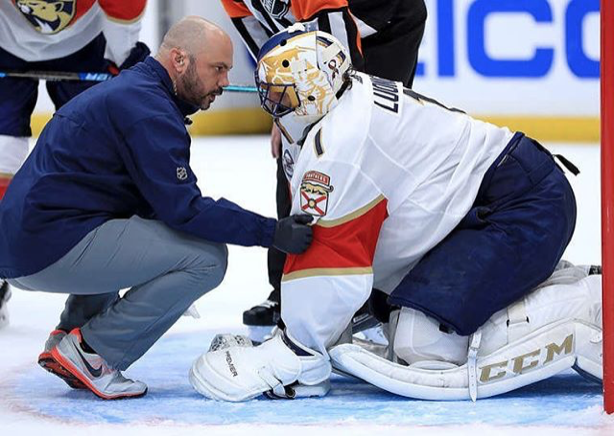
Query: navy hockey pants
x=18, y=96
x=509, y=242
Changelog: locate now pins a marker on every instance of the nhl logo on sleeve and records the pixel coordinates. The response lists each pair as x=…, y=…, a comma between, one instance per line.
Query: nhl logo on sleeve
x=277, y=8
x=315, y=190
x=182, y=173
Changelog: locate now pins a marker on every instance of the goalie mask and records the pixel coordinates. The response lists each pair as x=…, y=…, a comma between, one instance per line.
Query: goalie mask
x=301, y=71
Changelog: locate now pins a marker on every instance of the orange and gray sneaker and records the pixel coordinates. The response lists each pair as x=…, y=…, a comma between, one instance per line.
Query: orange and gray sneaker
x=93, y=371
x=48, y=363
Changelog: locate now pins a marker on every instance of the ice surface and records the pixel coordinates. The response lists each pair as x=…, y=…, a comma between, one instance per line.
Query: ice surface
x=240, y=169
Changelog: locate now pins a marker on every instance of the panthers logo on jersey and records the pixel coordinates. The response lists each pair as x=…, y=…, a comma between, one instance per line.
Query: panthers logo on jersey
x=315, y=189
x=47, y=16
x=276, y=8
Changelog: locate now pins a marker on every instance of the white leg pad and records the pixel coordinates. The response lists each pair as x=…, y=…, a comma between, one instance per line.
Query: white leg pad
x=563, y=329
x=541, y=355
x=590, y=353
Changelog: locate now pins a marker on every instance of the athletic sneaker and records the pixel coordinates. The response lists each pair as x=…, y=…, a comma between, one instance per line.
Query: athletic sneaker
x=5, y=295
x=48, y=363
x=93, y=371
x=266, y=313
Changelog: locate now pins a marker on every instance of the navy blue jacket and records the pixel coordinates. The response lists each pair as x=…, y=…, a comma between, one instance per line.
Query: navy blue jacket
x=118, y=149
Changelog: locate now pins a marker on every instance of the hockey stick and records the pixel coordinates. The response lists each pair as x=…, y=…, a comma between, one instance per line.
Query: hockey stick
x=55, y=76
x=93, y=77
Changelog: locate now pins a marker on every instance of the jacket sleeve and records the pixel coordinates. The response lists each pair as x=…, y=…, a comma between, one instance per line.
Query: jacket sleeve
x=121, y=27
x=323, y=287
x=156, y=154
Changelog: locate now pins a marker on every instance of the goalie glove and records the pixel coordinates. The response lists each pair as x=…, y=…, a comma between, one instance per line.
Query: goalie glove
x=234, y=370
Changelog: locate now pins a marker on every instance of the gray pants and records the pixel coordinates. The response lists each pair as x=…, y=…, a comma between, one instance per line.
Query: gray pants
x=166, y=272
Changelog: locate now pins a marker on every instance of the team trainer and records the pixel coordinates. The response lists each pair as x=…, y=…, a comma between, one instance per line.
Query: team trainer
x=107, y=201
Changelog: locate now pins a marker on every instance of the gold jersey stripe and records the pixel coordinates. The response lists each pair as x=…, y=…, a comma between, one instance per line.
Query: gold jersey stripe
x=313, y=272
x=357, y=213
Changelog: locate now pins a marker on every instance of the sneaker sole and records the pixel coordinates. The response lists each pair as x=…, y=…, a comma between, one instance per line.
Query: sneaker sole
x=48, y=363
x=70, y=368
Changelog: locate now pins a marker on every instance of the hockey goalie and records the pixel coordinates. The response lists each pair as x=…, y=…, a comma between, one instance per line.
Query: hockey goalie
x=462, y=223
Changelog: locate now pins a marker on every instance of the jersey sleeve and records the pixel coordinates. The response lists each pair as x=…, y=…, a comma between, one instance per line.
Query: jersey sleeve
x=334, y=17
x=156, y=154
x=121, y=27
x=323, y=287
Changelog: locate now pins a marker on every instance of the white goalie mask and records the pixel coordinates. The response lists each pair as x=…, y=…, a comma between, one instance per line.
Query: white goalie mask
x=301, y=72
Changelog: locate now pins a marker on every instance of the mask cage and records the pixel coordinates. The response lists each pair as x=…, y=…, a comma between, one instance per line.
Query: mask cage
x=277, y=100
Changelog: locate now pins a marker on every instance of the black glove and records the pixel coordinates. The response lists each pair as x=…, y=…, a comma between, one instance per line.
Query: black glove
x=138, y=53
x=292, y=234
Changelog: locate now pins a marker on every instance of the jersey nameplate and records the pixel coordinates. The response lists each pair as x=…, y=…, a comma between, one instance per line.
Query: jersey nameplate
x=385, y=94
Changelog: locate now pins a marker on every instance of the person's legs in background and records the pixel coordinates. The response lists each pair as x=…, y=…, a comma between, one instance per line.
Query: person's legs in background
x=268, y=313
x=17, y=101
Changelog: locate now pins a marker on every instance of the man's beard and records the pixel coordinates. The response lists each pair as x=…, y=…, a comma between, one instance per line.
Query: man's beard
x=193, y=92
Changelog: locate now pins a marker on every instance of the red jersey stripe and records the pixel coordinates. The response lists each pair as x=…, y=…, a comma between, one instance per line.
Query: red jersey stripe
x=350, y=244
x=123, y=10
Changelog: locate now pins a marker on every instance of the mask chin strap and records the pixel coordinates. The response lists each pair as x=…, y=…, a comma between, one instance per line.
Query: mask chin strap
x=344, y=87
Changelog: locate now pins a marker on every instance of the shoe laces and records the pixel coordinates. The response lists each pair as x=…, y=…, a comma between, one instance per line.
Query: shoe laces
x=268, y=304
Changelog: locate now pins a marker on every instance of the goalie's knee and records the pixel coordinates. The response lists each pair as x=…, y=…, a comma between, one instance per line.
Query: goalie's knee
x=420, y=338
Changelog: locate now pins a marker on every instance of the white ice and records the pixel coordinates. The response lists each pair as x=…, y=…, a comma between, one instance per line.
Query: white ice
x=241, y=169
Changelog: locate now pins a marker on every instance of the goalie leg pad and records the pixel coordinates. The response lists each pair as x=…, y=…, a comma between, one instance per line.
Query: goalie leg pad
x=540, y=355
x=562, y=328
x=590, y=353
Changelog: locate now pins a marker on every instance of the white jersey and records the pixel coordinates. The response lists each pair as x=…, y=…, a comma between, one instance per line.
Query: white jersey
x=35, y=31
x=387, y=174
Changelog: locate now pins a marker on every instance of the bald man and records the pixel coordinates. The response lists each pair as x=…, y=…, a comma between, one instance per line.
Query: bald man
x=107, y=201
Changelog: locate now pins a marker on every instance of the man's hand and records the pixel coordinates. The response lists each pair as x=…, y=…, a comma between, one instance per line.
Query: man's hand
x=293, y=235
x=275, y=141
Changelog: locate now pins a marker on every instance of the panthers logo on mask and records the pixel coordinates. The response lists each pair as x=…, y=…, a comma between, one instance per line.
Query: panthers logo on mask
x=47, y=16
